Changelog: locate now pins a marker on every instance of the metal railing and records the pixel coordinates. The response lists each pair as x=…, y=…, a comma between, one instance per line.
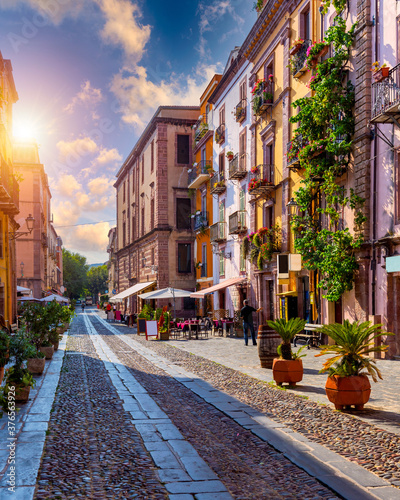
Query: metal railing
x=299, y=59
x=218, y=232
x=204, y=167
x=200, y=220
x=217, y=183
x=240, y=110
x=220, y=133
x=200, y=128
x=237, y=167
x=5, y=180
x=292, y=150
x=263, y=98
x=386, y=94
x=237, y=222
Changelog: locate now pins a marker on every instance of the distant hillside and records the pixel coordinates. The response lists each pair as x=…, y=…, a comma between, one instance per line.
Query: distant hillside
x=96, y=265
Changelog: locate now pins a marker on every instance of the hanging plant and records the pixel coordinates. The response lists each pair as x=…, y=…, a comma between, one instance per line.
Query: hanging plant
x=326, y=124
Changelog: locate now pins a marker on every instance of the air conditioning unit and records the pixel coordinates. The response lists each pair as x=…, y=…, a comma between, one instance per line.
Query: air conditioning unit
x=288, y=262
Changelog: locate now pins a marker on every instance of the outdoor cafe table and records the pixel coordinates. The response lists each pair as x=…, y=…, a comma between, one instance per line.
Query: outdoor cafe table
x=228, y=324
x=189, y=324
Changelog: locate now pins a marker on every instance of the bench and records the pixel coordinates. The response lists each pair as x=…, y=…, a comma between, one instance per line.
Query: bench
x=311, y=334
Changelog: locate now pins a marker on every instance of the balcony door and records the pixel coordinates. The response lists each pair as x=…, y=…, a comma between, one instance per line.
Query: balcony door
x=269, y=161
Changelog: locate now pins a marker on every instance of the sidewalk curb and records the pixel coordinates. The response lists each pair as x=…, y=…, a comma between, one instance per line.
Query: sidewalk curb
x=347, y=479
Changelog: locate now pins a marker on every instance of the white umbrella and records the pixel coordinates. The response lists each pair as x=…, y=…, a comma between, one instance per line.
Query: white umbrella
x=26, y=299
x=24, y=291
x=58, y=298
x=166, y=293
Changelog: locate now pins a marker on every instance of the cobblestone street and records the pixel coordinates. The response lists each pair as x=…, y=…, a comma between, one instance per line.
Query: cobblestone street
x=148, y=420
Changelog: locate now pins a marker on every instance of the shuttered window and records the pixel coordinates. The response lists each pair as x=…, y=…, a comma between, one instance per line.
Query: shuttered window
x=184, y=258
x=183, y=207
x=183, y=149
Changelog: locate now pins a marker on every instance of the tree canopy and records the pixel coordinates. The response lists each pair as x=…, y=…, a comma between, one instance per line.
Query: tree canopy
x=75, y=272
x=97, y=278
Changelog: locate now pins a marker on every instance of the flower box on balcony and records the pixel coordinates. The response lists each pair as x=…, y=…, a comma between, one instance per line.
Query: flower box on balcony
x=295, y=48
x=381, y=74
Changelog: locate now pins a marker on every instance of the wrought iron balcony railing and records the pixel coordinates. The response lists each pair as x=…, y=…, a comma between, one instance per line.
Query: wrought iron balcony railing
x=199, y=173
x=298, y=62
x=292, y=152
x=263, y=98
x=386, y=97
x=220, y=134
x=218, y=232
x=262, y=179
x=237, y=167
x=6, y=181
x=217, y=183
x=237, y=222
x=200, y=220
x=200, y=128
x=240, y=110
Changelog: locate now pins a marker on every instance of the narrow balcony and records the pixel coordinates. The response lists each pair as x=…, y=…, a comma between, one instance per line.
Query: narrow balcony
x=298, y=61
x=45, y=243
x=199, y=173
x=200, y=128
x=200, y=221
x=262, y=180
x=220, y=134
x=240, y=111
x=386, y=98
x=237, y=222
x=237, y=167
x=217, y=183
x=5, y=181
x=292, y=152
x=263, y=98
x=218, y=232
x=9, y=192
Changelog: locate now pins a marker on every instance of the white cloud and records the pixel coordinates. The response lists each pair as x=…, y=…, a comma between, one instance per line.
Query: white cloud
x=72, y=151
x=100, y=186
x=87, y=239
x=87, y=96
x=106, y=156
x=54, y=10
x=67, y=185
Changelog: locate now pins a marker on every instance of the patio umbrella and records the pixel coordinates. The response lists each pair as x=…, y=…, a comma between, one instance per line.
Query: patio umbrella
x=52, y=297
x=24, y=291
x=28, y=299
x=166, y=293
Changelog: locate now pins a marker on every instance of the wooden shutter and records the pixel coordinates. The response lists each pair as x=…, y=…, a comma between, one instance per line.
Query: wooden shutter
x=183, y=149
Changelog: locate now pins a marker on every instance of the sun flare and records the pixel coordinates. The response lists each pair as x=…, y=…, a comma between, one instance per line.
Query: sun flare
x=24, y=129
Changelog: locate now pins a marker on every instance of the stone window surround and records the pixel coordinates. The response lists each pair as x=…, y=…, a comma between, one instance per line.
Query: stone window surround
x=190, y=149
x=184, y=242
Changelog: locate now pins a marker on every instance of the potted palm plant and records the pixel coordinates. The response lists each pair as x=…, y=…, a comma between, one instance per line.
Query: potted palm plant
x=349, y=367
x=288, y=368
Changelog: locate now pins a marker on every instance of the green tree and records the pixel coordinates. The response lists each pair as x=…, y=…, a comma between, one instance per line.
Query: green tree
x=97, y=280
x=75, y=273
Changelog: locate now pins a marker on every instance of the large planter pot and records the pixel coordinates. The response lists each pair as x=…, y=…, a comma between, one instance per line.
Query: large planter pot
x=36, y=365
x=348, y=391
x=47, y=351
x=55, y=345
x=1, y=373
x=381, y=74
x=288, y=371
x=267, y=340
x=21, y=393
x=164, y=335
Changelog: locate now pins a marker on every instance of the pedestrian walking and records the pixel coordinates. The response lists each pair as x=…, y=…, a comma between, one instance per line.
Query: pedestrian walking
x=247, y=314
x=83, y=306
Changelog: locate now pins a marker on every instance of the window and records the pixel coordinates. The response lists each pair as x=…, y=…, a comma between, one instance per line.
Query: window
x=183, y=207
x=221, y=162
x=269, y=70
x=124, y=228
x=143, y=259
x=142, y=169
x=133, y=180
x=152, y=257
x=268, y=216
x=133, y=228
x=123, y=192
x=152, y=156
x=183, y=149
x=189, y=303
x=142, y=221
x=242, y=90
x=152, y=213
x=184, y=258
x=242, y=151
x=242, y=263
x=207, y=113
x=222, y=263
x=222, y=212
x=222, y=116
x=305, y=32
x=203, y=272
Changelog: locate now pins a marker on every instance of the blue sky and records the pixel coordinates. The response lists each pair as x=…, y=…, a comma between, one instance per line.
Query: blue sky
x=90, y=74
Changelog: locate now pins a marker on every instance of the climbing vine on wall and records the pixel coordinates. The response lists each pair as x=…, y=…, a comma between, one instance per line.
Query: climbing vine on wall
x=323, y=143
x=259, y=246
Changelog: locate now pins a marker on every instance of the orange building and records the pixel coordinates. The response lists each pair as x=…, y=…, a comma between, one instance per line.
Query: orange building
x=198, y=180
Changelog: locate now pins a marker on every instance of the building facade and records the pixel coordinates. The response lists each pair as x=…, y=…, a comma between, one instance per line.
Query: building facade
x=9, y=195
x=155, y=241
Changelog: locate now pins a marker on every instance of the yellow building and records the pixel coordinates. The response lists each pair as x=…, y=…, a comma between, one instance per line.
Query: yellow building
x=9, y=195
x=199, y=184
x=279, y=77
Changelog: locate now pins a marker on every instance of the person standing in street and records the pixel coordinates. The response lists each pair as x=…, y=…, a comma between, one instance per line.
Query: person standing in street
x=247, y=314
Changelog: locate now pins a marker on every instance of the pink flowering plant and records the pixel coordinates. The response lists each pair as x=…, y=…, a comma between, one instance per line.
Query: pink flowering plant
x=313, y=51
x=259, y=246
x=254, y=170
x=259, y=86
x=298, y=41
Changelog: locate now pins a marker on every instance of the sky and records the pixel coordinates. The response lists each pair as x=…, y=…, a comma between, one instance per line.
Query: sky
x=91, y=73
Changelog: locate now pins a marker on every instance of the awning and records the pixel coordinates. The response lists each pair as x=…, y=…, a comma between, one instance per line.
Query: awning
x=291, y=293
x=131, y=291
x=224, y=284
x=24, y=291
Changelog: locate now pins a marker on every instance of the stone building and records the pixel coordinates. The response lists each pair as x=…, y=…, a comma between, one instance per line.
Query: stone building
x=155, y=242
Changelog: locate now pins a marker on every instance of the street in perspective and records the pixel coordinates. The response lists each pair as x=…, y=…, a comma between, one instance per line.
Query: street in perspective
x=200, y=250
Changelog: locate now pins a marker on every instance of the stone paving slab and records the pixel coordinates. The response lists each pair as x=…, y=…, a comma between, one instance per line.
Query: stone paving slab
x=336, y=474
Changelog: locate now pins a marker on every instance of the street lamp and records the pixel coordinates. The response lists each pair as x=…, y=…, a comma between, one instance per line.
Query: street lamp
x=30, y=221
x=292, y=207
x=22, y=269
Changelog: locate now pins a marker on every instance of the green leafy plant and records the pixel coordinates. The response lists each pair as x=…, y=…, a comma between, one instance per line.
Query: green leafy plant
x=147, y=312
x=353, y=344
x=4, y=346
x=287, y=331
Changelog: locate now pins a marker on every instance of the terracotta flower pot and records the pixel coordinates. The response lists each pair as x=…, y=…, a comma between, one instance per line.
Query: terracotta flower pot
x=230, y=157
x=1, y=373
x=323, y=52
x=55, y=346
x=348, y=391
x=22, y=393
x=295, y=49
x=36, y=365
x=381, y=74
x=287, y=371
x=164, y=335
x=47, y=351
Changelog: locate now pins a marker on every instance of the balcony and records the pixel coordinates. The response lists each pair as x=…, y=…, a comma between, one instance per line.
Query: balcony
x=199, y=174
x=44, y=240
x=9, y=191
x=240, y=110
x=263, y=98
x=218, y=232
x=237, y=222
x=262, y=180
x=292, y=152
x=200, y=128
x=237, y=167
x=386, y=98
x=298, y=61
x=200, y=221
x=220, y=134
x=217, y=183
